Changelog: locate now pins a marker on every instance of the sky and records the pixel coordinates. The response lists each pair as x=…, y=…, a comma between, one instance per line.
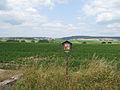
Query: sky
x=59, y=18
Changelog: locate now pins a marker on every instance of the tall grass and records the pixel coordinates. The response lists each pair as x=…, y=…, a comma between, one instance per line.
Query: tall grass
x=98, y=74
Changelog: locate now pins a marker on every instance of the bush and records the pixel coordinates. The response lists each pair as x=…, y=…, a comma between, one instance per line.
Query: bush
x=84, y=42
x=103, y=42
x=43, y=41
x=12, y=41
x=23, y=41
x=109, y=42
x=33, y=41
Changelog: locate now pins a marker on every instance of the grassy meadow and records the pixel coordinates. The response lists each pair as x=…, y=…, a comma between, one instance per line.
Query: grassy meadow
x=92, y=66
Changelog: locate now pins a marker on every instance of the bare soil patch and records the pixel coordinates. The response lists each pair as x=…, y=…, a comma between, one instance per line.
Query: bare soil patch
x=6, y=74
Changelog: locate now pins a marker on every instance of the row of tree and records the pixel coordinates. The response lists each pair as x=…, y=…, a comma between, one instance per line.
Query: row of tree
x=33, y=41
x=101, y=42
x=106, y=42
x=47, y=41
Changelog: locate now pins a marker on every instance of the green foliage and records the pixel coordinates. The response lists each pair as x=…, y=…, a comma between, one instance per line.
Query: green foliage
x=23, y=41
x=103, y=42
x=44, y=65
x=84, y=42
x=14, y=51
x=12, y=41
x=109, y=42
x=33, y=41
x=43, y=41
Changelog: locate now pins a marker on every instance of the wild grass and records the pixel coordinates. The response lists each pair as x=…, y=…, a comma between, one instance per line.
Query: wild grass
x=97, y=74
x=43, y=66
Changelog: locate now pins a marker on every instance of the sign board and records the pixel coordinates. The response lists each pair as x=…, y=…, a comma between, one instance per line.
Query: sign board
x=67, y=46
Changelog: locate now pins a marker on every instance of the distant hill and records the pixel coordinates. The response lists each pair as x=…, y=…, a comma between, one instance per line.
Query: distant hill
x=88, y=37
x=28, y=38
x=64, y=38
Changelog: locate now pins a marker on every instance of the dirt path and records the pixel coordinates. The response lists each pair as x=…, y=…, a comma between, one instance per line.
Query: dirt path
x=8, y=78
x=2, y=71
x=5, y=74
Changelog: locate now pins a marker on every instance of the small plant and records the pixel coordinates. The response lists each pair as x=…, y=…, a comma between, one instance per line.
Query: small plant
x=23, y=41
x=103, y=42
x=12, y=41
x=109, y=42
x=43, y=41
x=33, y=41
x=84, y=42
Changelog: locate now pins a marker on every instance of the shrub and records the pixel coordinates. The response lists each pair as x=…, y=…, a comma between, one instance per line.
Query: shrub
x=33, y=41
x=43, y=41
x=84, y=42
x=12, y=41
x=109, y=42
x=23, y=41
x=103, y=42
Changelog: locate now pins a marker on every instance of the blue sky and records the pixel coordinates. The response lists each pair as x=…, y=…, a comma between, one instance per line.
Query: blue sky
x=59, y=18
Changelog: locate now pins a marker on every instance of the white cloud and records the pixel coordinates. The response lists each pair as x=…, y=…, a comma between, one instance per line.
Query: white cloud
x=19, y=17
x=53, y=25
x=23, y=17
x=62, y=1
x=15, y=4
x=4, y=26
x=24, y=11
x=60, y=26
x=29, y=3
x=114, y=25
x=104, y=17
x=71, y=27
x=103, y=10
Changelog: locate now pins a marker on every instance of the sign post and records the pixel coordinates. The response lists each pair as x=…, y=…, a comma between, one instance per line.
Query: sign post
x=67, y=47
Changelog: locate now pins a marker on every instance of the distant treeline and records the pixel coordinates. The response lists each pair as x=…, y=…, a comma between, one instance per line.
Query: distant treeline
x=87, y=37
x=33, y=41
x=43, y=41
x=106, y=42
x=26, y=38
x=12, y=40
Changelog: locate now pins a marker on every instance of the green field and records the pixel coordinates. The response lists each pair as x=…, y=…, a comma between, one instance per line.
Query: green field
x=91, y=66
x=52, y=54
x=13, y=51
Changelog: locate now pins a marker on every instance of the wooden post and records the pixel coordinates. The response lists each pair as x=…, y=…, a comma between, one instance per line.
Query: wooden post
x=67, y=66
x=67, y=46
x=67, y=72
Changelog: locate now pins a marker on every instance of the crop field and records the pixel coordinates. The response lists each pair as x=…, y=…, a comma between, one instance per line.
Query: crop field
x=91, y=66
x=14, y=51
x=52, y=53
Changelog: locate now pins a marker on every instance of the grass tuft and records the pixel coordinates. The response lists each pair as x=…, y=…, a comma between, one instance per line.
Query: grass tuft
x=99, y=75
